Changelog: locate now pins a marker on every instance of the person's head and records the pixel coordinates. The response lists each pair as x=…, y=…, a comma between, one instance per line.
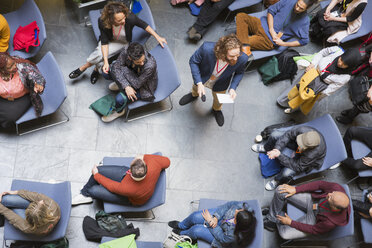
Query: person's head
x=37, y=215
x=136, y=53
x=7, y=64
x=245, y=226
x=338, y=200
x=228, y=48
x=138, y=169
x=308, y=140
x=303, y=5
x=114, y=14
x=349, y=59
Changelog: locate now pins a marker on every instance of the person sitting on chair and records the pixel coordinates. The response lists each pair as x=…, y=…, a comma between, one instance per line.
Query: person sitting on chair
x=136, y=77
x=4, y=34
x=285, y=20
x=42, y=213
x=132, y=186
x=364, y=209
x=308, y=144
x=231, y=223
x=326, y=206
x=116, y=25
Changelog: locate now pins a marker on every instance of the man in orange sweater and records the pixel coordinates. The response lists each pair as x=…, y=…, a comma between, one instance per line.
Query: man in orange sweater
x=123, y=185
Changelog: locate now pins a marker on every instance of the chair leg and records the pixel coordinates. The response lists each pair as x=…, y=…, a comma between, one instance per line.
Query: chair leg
x=151, y=217
x=352, y=179
x=227, y=16
x=286, y=243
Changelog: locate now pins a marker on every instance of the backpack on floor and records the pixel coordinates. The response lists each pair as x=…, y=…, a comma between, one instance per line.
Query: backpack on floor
x=110, y=222
x=269, y=167
x=60, y=243
x=358, y=89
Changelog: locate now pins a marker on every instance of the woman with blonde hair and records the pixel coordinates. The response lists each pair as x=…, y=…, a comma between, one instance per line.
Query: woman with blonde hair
x=42, y=213
x=116, y=25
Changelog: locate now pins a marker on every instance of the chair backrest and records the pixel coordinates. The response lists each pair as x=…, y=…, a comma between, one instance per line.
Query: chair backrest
x=360, y=150
x=94, y=15
x=26, y=14
x=240, y=4
x=337, y=232
x=366, y=225
x=254, y=204
x=168, y=76
x=60, y=192
x=55, y=89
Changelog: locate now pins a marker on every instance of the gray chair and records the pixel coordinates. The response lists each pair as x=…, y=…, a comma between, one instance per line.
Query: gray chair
x=140, y=244
x=59, y=192
x=53, y=96
x=254, y=204
x=26, y=14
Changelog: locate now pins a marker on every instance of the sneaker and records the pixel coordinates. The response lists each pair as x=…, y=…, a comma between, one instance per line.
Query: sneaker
x=174, y=224
x=258, y=148
x=94, y=76
x=334, y=166
x=113, y=87
x=74, y=74
x=187, y=99
x=269, y=225
x=288, y=110
x=344, y=120
x=271, y=185
x=258, y=139
x=81, y=199
x=265, y=211
x=113, y=116
x=345, y=112
x=219, y=117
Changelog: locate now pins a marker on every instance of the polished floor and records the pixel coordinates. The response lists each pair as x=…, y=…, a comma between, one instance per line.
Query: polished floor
x=206, y=160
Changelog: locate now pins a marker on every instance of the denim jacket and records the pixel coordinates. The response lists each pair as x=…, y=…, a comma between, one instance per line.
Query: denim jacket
x=223, y=233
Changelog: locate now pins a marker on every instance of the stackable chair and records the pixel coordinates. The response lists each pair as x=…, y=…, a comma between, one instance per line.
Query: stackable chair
x=26, y=14
x=59, y=192
x=53, y=96
x=366, y=226
x=336, y=233
x=139, y=35
x=157, y=199
x=254, y=204
x=140, y=244
x=240, y=4
x=168, y=81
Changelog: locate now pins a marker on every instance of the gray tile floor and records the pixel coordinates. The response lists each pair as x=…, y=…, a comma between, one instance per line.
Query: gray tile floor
x=207, y=160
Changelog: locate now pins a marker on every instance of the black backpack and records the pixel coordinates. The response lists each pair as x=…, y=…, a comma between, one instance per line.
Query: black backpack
x=287, y=67
x=358, y=89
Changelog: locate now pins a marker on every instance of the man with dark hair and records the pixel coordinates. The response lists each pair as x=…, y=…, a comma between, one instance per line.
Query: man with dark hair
x=326, y=206
x=285, y=20
x=215, y=65
x=122, y=185
x=135, y=76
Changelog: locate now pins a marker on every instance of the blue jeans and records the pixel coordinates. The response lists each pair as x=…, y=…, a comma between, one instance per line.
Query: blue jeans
x=93, y=189
x=193, y=226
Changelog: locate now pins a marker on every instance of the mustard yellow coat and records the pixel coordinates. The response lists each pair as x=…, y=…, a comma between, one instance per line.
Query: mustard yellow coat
x=4, y=34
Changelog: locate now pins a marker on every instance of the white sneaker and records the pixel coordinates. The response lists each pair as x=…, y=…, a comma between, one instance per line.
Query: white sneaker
x=113, y=87
x=258, y=139
x=113, y=116
x=80, y=199
x=288, y=110
x=271, y=185
x=258, y=148
x=334, y=166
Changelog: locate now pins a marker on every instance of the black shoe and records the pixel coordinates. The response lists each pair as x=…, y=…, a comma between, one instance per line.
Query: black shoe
x=344, y=120
x=219, y=117
x=269, y=225
x=94, y=76
x=2, y=220
x=193, y=34
x=75, y=74
x=177, y=231
x=265, y=211
x=174, y=224
x=187, y=99
x=345, y=112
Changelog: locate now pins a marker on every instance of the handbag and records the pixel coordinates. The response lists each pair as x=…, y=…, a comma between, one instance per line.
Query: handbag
x=26, y=37
x=186, y=244
x=173, y=239
x=269, y=70
x=104, y=106
x=269, y=167
x=124, y=242
x=358, y=89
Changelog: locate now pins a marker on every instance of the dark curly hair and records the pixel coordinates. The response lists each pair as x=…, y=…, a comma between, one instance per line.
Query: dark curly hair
x=110, y=9
x=135, y=51
x=226, y=43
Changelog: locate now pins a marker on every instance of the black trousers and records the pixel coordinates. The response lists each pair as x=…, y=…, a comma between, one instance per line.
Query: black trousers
x=352, y=113
x=362, y=207
x=363, y=134
x=208, y=13
x=11, y=111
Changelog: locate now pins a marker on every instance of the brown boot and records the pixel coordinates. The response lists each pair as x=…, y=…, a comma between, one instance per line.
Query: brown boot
x=247, y=50
x=193, y=34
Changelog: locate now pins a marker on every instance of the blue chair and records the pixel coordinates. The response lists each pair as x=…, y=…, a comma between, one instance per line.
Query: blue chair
x=336, y=233
x=140, y=244
x=366, y=226
x=26, y=14
x=139, y=35
x=168, y=81
x=59, y=192
x=157, y=199
x=53, y=96
x=240, y=4
x=254, y=204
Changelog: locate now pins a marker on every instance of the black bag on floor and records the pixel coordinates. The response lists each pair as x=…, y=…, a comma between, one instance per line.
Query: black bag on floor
x=358, y=89
x=287, y=66
x=269, y=129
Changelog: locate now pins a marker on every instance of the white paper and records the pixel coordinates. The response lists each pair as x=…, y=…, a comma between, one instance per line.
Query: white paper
x=224, y=98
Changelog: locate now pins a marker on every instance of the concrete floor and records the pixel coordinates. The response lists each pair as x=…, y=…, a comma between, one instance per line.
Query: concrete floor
x=206, y=160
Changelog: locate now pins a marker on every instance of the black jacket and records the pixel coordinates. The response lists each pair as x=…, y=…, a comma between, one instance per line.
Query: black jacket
x=131, y=21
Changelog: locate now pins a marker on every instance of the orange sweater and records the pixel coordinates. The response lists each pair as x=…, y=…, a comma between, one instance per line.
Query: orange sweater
x=140, y=192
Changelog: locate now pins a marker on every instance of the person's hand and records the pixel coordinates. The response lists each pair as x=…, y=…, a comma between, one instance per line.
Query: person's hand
x=278, y=41
x=162, y=41
x=201, y=89
x=11, y=192
x=208, y=218
x=214, y=222
x=95, y=169
x=273, y=34
x=370, y=59
x=367, y=161
x=38, y=88
x=232, y=93
x=273, y=153
x=131, y=93
x=329, y=18
x=191, y=1
x=105, y=67
x=285, y=188
x=285, y=220
x=309, y=67
x=327, y=12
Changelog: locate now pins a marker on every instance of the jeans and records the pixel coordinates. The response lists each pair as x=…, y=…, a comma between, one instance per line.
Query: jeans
x=193, y=226
x=14, y=201
x=93, y=189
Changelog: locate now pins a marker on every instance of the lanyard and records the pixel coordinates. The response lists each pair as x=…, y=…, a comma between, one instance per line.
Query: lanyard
x=298, y=150
x=117, y=37
x=218, y=71
x=325, y=69
x=344, y=5
x=321, y=205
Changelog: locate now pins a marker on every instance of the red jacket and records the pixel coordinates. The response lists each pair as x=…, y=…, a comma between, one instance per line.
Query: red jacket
x=325, y=221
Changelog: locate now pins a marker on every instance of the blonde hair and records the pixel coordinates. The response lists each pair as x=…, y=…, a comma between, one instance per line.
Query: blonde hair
x=37, y=215
x=110, y=9
x=226, y=43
